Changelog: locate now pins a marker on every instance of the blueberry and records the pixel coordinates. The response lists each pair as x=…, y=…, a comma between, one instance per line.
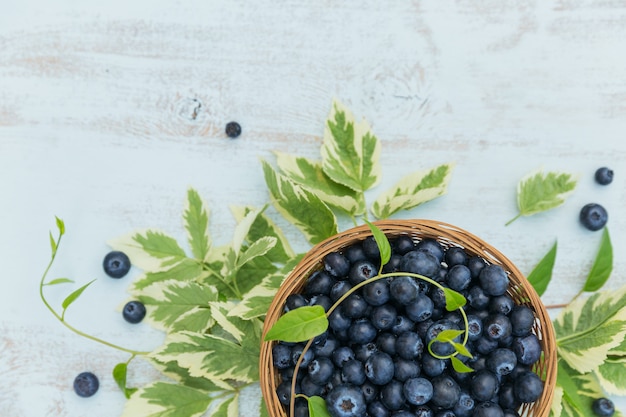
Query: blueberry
x=354, y=253
x=86, y=384
x=510, y=413
x=501, y=361
x=377, y=409
x=361, y=271
x=474, y=327
x=485, y=345
x=403, y=413
x=294, y=301
x=283, y=392
x=403, y=324
x=404, y=369
x=310, y=388
x=432, y=366
x=455, y=256
x=484, y=385
x=281, y=355
x=409, y=345
x=446, y=391
x=391, y=395
x=320, y=370
x=296, y=353
x=528, y=387
x=321, y=300
x=376, y=293
x=476, y=264
x=336, y=264
x=459, y=277
x=393, y=265
x=488, y=409
x=403, y=244
x=364, y=351
x=342, y=355
x=233, y=129
x=346, y=401
x=477, y=298
x=355, y=306
x=603, y=407
x=502, y=304
x=338, y=320
x=497, y=326
x=386, y=342
x=370, y=248
x=301, y=408
x=421, y=309
x=353, y=372
x=116, y=264
x=441, y=348
x=421, y=262
x=362, y=331
x=604, y=176
x=494, y=280
x=422, y=411
x=527, y=349
x=384, y=317
x=417, y=391
x=465, y=406
x=319, y=282
x=339, y=289
x=593, y=216
x=403, y=290
x=506, y=397
x=134, y=311
x=379, y=368
x=445, y=413
x=370, y=391
x=522, y=319
x=431, y=246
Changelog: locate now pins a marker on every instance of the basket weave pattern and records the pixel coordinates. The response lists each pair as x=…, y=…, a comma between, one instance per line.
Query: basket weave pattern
x=447, y=235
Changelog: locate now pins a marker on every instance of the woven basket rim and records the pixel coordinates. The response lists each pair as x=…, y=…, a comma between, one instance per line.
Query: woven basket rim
x=448, y=235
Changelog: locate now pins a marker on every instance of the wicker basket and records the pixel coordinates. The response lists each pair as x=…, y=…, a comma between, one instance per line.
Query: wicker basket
x=447, y=235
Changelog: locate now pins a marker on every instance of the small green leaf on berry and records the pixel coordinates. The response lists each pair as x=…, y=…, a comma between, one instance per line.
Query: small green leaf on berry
x=317, y=407
x=459, y=366
x=454, y=299
x=382, y=242
x=298, y=325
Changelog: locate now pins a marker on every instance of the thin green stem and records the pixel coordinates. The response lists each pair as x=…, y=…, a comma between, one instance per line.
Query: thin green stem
x=62, y=318
x=513, y=219
x=292, y=399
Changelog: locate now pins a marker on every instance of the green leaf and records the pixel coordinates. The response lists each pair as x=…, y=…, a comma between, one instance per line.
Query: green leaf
x=161, y=399
x=413, y=190
x=174, y=371
x=298, y=325
x=350, y=152
x=454, y=299
x=185, y=270
x=150, y=250
x=185, y=304
x=258, y=248
x=60, y=226
x=196, y=218
x=317, y=407
x=588, y=328
x=264, y=226
x=228, y=407
x=459, y=366
x=253, y=272
x=300, y=206
x=119, y=375
x=263, y=409
x=243, y=331
x=539, y=191
x=570, y=390
x=53, y=244
x=448, y=335
x=462, y=349
x=556, y=408
x=611, y=375
x=384, y=247
x=602, y=266
x=74, y=296
x=310, y=175
x=59, y=281
x=541, y=275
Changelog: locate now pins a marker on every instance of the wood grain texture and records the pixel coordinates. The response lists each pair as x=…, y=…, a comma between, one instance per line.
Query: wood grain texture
x=109, y=111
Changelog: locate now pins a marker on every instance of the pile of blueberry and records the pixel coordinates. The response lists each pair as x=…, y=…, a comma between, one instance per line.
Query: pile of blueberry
x=374, y=359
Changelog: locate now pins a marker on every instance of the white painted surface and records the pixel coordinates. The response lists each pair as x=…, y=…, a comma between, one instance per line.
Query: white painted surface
x=97, y=126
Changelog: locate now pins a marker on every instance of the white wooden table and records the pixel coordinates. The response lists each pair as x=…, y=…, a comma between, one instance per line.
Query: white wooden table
x=109, y=111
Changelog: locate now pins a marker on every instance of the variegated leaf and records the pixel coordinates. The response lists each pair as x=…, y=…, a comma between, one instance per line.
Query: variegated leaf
x=300, y=206
x=196, y=219
x=611, y=375
x=242, y=229
x=150, y=250
x=589, y=389
x=256, y=302
x=170, y=302
x=257, y=248
x=557, y=406
x=310, y=175
x=412, y=190
x=350, y=152
x=619, y=350
x=173, y=370
x=264, y=226
x=252, y=273
x=243, y=331
x=212, y=357
x=588, y=329
x=186, y=270
x=229, y=407
x=161, y=399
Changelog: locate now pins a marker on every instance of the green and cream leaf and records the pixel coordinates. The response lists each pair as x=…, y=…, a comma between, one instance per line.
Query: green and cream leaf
x=350, y=151
x=413, y=190
x=299, y=206
x=228, y=407
x=184, y=271
x=311, y=175
x=196, y=221
x=611, y=375
x=151, y=250
x=258, y=248
x=588, y=329
x=264, y=226
x=161, y=399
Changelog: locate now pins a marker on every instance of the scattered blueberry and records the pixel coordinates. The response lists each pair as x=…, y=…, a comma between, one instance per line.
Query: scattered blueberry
x=86, y=384
x=604, y=176
x=603, y=407
x=134, y=311
x=233, y=129
x=116, y=264
x=593, y=216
